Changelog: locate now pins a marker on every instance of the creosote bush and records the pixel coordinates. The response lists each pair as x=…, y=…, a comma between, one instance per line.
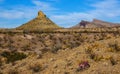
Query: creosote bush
x=13, y=72
x=115, y=46
x=36, y=68
x=88, y=51
x=113, y=62
x=13, y=56
x=96, y=57
x=55, y=48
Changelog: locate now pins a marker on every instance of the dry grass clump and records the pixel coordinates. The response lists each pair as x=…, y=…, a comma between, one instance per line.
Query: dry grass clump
x=2, y=60
x=88, y=50
x=92, y=55
x=113, y=61
x=114, y=47
x=96, y=57
x=55, y=48
x=14, y=71
x=26, y=47
x=35, y=67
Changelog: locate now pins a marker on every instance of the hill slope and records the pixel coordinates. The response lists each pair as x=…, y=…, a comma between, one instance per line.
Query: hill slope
x=105, y=61
x=94, y=24
x=39, y=23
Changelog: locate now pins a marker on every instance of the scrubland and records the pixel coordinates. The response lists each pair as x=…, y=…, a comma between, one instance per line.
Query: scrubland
x=59, y=53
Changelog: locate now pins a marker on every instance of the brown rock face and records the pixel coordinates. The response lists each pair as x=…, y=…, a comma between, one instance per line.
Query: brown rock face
x=94, y=24
x=41, y=14
x=41, y=22
x=102, y=23
x=83, y=23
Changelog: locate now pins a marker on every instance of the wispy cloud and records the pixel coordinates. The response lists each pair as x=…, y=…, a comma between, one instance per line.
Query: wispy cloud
x=106, y=8
x=11, y=14
x=54, y=0
x=16, y=15
x=70, y=19
x=43, y=5
x=23, y=11
x=101, y=9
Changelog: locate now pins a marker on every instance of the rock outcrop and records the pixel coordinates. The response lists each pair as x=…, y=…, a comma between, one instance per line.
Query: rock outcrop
x=94, y=24
x=41, y=22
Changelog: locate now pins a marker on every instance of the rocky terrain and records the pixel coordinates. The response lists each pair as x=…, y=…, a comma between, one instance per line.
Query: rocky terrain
x=39, y=23
x=59, y=53
x=95, y=24
x=42, y=47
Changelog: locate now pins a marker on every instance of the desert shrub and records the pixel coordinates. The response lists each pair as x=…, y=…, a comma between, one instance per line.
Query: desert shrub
x=12, y=57
x=114, y=46
x=26, y=47
x=113, y=62
x=56, y=48
x=92, y=55
x=66, y=73
x=10, y=33
x=44, y=50
x=36, y=68
x=96, y=57
x=110, y=50
x=88, y=51
x=13, y=72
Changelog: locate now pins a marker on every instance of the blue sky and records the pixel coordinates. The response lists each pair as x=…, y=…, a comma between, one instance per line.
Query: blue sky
x=65, y=13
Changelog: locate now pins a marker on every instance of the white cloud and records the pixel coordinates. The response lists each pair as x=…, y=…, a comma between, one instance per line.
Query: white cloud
x=12, y=14
x=22, y=11
x=70, y=18
x=43, y=5
x=104, y=9
x=107, y=9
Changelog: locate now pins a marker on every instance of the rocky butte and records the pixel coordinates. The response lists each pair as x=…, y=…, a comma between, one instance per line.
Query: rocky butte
x=95, y=24
x=41, y=22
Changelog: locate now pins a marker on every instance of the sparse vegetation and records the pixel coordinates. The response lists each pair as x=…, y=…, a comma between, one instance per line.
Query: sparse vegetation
x=40, y=46
x=36, y=68
x=114, y=47
x=13, y=56
x=13, y=72
x=112, y=60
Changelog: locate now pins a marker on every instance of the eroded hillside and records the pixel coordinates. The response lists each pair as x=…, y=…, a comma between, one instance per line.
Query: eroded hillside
x=59, y=53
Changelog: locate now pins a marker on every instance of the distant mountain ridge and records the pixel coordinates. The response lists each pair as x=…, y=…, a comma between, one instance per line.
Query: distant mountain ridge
x=39, y=23
x=95, y=24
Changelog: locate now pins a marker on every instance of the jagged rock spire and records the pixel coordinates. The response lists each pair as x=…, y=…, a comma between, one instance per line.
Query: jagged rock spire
x=41, y=14
x=39, y=23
